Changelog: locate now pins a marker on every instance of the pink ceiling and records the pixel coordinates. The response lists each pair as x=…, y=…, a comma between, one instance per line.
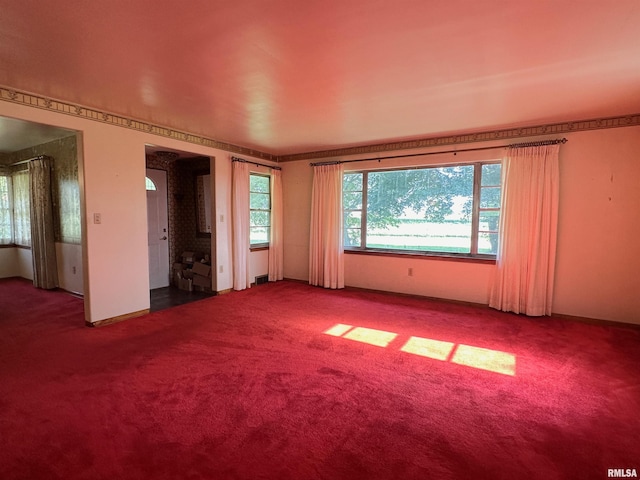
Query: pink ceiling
x=290, y=76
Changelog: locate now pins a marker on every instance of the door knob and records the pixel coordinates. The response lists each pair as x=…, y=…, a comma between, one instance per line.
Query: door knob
x=164, y=238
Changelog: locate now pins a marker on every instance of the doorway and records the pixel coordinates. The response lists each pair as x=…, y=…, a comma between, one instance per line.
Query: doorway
x=181, y=173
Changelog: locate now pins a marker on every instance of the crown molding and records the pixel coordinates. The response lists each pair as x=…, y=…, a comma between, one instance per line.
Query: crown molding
x=37, y=101
x=508, y=133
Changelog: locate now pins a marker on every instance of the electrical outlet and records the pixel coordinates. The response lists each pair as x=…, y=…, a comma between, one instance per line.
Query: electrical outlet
x=97, y=218
x=73, y=270
x=410, y=272
x=221, y=269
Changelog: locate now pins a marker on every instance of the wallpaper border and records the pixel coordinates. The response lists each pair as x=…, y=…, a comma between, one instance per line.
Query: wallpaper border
x=38, y=101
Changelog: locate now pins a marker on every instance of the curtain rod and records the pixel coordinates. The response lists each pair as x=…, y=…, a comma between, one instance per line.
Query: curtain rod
x=39, y=157
x=513, y=145
x=236, y=159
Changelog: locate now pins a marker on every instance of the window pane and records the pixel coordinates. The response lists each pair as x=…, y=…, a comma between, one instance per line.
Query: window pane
x=352, y=237
x=352, y=219
x=149, y=183
x=491, y=174
x=6, y=234
x=421, y=209
x=490, y=197
x=352, y=182
x=489, y=220
x=260, y=201
x=258, y=218
x=352, y=200
x=258, y=235
x=488, y=243
x=259, y=183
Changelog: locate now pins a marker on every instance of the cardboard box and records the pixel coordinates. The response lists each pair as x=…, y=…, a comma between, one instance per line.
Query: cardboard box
x=200, y=281
x=187, y=273
x=185, y=284
x=201, y=269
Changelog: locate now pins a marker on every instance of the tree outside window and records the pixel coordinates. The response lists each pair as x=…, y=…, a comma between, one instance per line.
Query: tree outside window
x=436, y=209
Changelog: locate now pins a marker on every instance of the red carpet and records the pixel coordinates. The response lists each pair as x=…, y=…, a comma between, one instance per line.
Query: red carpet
x=249, y=386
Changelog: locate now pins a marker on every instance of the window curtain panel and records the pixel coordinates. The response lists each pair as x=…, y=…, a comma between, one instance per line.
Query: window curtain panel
x=525, y=267
x=240, y=218
x=21, y=209
x=276, y=258
x=326, y=255
x=43, y=248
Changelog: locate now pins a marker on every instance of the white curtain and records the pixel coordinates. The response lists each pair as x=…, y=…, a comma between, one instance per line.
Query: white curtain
x=523, y=280
x=326, y=255
x=240, y=218
x=276, y=258
x=21, y=209
x=6, y=210
x=43, y=248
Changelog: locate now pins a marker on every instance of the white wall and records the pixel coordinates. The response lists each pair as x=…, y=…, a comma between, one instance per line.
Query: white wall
x=598, y=266
x=16, y=262
x=70, y=269
x=25, y=263
x=111, y=168
x=597, y=262
x=8, y=263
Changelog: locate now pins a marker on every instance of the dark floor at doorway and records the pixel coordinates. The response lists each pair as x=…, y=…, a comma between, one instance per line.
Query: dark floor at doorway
x=167, y=297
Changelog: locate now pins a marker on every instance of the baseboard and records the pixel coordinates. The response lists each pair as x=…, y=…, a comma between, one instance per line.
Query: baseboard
x=596, y=321
x=72, y=293
x=223, y=292
x=119, y=318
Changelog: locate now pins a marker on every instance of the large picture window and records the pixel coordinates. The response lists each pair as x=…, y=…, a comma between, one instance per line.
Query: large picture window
x=260, y=210
x=452, y=210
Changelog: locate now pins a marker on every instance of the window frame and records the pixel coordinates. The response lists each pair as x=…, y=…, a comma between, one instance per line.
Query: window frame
x=261, y=245
x=473, y=255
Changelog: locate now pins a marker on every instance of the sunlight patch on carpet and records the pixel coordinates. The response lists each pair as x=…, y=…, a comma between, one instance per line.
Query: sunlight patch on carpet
x=427, y=347
x=379, y=338
x=485, y=359
x=338, y=330
x=460, y=354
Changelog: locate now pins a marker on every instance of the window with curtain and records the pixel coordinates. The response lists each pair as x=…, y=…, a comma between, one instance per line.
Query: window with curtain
x=6, y=211
x=15, y=221
x=21, y=209
x=449, y=210
x=260, y=210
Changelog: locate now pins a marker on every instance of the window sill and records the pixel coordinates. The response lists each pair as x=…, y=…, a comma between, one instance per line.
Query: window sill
x=13, y=245
x=258, y=248
x=426, y=255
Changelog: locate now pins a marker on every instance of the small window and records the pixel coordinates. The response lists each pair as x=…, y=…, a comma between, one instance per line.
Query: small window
x=260, y=210
x=150, y=185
